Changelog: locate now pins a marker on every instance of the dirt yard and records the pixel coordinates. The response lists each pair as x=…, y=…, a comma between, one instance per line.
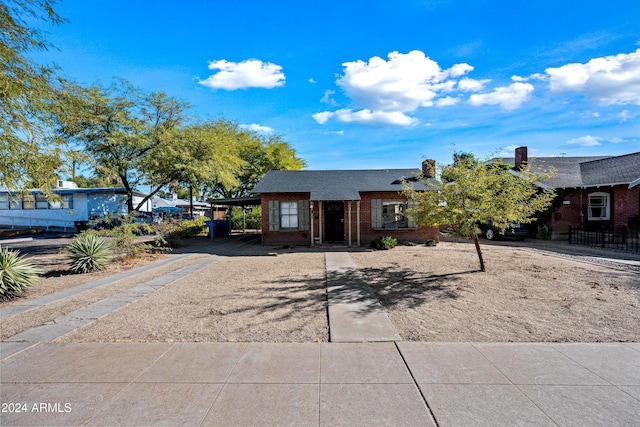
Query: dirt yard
x=430, y=294
x=438, y=294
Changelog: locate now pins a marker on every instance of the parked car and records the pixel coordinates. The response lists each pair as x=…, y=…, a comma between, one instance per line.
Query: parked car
x=514, y=230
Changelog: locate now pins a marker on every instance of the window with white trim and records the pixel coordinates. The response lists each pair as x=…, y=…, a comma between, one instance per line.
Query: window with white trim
x=4, y=201
x=599, y=207
x=289, y=214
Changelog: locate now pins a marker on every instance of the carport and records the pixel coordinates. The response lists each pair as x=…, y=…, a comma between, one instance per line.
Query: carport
x=243, y=202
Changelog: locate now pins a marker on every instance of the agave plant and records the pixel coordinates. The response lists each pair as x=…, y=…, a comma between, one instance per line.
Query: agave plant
x=88, y=252
x=16, y=273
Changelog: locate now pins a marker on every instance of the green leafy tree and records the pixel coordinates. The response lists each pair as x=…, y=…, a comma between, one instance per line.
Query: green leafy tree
x=475, y=191
x=258, y=155
x=122, y=129
x=198, y=156
x=30, y=154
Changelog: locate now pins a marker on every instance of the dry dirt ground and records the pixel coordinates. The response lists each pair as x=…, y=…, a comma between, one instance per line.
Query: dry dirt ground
x=430, y=294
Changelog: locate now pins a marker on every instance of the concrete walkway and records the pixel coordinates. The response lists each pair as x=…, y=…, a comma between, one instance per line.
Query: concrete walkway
x=355, y=315
x=327, y=384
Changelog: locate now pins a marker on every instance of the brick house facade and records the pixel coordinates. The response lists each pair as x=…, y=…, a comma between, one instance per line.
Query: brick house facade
x=594, y=192
x=347, y=207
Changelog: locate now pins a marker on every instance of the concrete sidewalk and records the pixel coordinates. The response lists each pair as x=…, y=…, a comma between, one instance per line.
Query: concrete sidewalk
x=407, y=383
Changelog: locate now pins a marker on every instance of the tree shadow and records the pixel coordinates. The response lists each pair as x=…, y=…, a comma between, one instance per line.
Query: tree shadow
x=410, y=289
x=289, y=295
x=363, y=289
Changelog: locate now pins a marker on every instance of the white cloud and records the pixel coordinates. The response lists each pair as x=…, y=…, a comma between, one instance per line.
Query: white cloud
x=402, y=84
x=447, y=101
x=326, y=98
x=610, y=79
x=585, y=141
x=322, y=118
x=624, y=115
x=508, y=97
x=253, y=127
x=535, y=76
x=366, y=116
x=472, y=85
x=335, y=132
x=312, y=80
x=245, y=74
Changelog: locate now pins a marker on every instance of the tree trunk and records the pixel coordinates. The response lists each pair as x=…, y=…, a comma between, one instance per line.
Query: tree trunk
x=190, y=201
x=129, y=192
x=477, y=243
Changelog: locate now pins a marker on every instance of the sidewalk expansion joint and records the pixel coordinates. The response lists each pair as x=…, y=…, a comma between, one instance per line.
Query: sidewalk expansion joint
x=415, y=382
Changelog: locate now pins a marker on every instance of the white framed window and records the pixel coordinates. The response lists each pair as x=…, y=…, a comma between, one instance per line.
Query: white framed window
x=288, y=214
x=599, y=208
x=4, y=201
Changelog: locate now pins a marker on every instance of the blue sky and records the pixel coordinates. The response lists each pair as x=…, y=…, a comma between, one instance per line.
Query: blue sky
x=382, y=84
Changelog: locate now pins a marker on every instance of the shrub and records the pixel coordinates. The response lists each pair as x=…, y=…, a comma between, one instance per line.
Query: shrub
x=384, y=243
x=88, y=252
x=431, y=242
x=251, y=219
x=124, y=231
x=16, y=273
x=174, y=232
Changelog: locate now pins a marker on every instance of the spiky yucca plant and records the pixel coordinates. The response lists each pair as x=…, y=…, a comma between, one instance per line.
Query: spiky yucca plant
x=88, y=252
x=16, y=273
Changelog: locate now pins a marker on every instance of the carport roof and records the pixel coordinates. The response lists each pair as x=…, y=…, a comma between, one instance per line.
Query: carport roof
x=338, y=184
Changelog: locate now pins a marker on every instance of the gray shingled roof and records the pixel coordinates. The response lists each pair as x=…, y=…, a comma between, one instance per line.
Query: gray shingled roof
x=588, y=171
x=336, y=184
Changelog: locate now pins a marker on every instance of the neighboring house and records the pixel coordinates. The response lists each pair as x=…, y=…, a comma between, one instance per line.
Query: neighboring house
x=346, y=206
x=199, y=208
x=597, y=192
x=33, y=209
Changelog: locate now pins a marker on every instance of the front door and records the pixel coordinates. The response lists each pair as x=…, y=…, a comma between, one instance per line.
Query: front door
x=334, y=221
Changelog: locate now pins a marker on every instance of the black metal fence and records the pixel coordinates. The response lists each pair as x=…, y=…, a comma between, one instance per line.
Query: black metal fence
x=620, y=238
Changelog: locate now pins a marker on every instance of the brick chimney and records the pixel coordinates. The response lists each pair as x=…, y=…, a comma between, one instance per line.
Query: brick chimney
x=521, y=157
x=429, y=168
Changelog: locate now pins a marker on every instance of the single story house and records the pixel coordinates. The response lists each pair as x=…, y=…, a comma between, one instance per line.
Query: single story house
x=596, y=192
x=32, y=208
x=352, y=207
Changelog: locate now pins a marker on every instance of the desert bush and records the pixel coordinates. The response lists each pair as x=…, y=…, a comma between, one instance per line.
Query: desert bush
x=173, y=232
x=124, y=231
x=384, y=243
x=16, y=273
x=88, y=252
